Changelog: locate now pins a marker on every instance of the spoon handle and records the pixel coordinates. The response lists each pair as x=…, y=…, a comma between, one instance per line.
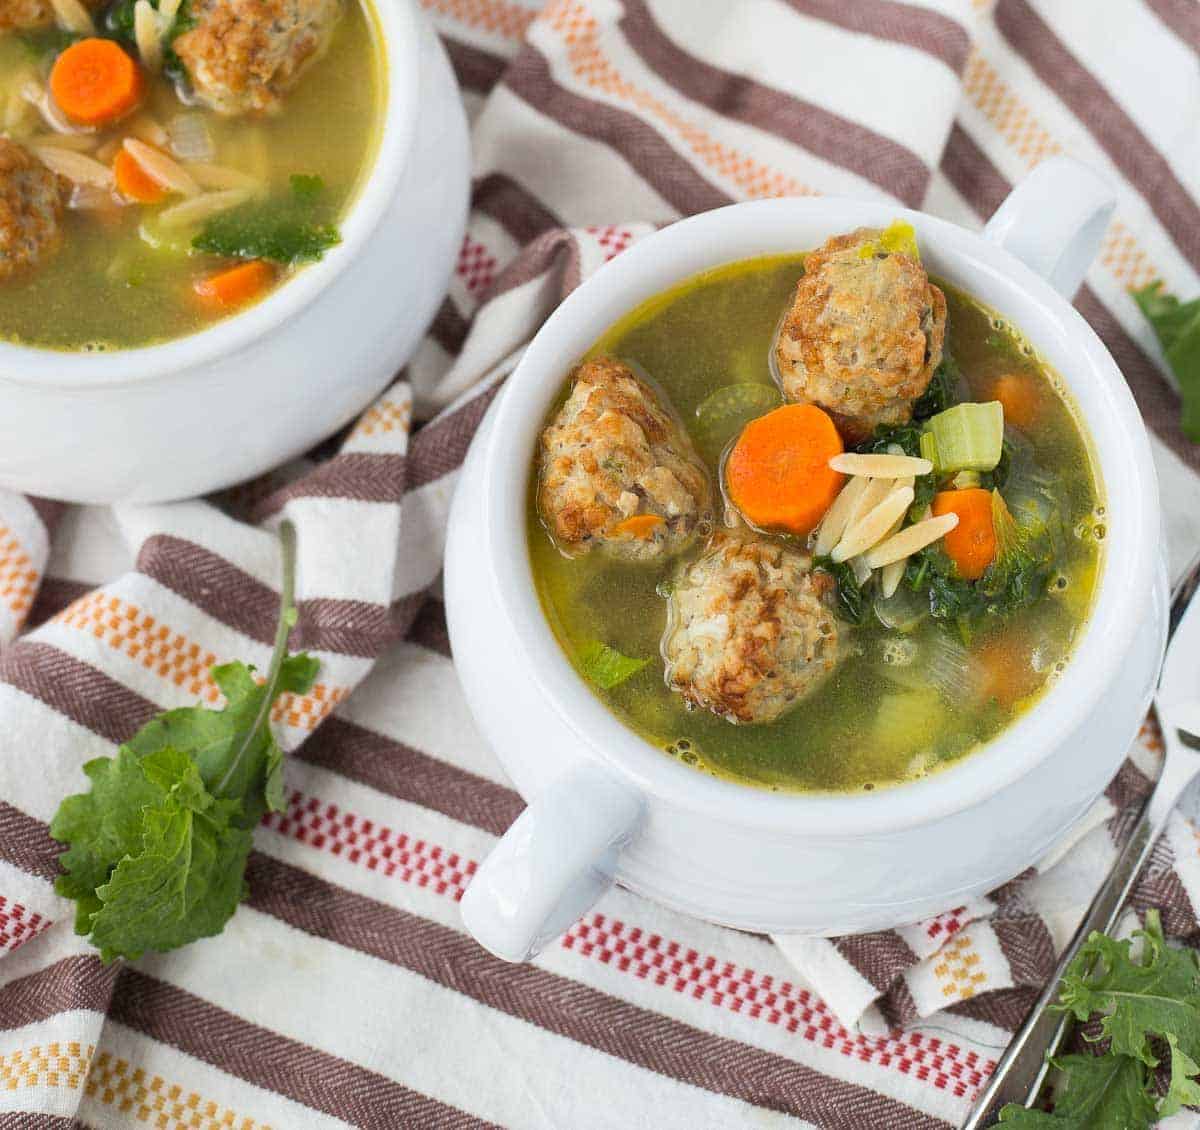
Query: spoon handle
x=1021, y=1072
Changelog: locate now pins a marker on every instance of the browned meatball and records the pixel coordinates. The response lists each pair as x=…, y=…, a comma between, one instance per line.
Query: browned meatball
x=748, y=634
x=243, y=56
x=23, y=15
x=614, y=453
x=863, y=336
x=32, y=199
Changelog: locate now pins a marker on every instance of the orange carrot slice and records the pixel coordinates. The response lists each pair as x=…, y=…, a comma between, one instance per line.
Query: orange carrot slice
x=133, y=182
x=229, y=289
x=971, y=545
x=1021, y=397
x=777, y=473
x=641, y=526
x=95, y=82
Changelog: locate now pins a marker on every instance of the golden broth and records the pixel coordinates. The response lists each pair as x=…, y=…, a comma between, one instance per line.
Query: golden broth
x=867, y=725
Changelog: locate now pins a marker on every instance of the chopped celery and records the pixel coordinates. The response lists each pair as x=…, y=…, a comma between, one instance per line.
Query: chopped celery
x=605, y=666
x=967, y=437
x=898, y=236
x=965, y=480
x=929, y=450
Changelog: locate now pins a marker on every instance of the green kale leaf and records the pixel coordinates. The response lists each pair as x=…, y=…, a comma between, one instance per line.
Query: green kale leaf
x=156, y=850
x=1145, y=1003
x=852, y=606
x=942, y=392
x=1177, y=326
x=307, y=188
x=1098, y=1093
x=284, y=232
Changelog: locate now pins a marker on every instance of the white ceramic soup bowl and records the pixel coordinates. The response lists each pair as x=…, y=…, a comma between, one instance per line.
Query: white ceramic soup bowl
x=217, y=407
x=604, y=804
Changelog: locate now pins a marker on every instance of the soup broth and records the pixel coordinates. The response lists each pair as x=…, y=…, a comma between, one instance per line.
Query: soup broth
x=881, y=717
x=125, y=274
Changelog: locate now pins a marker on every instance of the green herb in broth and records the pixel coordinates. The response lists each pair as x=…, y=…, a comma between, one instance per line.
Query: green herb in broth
x=122, y=280
x=880, y=718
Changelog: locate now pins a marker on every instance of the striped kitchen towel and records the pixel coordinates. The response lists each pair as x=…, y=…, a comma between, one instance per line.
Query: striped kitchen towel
x=345, y=991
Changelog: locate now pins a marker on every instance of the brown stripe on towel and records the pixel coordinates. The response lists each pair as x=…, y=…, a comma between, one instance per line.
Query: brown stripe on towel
x=650, y=155
x=1181, y=16
x=73, y=983
x=875, y=158
x=570, y=1009
x=358, y=476
x=75, y=689
x=401, y=771
x=879, y=957
x=937, y=35
x=1116, y=132
x=513, y=207
x=274, y=1062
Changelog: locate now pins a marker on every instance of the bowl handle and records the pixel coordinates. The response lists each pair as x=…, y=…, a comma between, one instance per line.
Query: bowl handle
x=1054, y=220
x=552, y=865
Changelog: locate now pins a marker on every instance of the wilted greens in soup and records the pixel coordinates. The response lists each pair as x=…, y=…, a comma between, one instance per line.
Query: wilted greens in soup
x=763, y=615
x=164, y=164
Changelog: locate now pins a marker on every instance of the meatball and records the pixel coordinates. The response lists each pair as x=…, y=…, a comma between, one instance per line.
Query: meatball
x=24, y=15
x=617, y=470
x=748, y=634
x=32, y=199
x=243, y=56
x=863, y=335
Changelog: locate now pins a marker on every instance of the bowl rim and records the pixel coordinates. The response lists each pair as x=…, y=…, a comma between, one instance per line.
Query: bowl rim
x=1119, y=446
x=398, y=31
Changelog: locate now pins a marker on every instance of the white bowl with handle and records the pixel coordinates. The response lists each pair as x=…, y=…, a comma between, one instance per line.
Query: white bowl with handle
x=605, y=805
x=222, y=405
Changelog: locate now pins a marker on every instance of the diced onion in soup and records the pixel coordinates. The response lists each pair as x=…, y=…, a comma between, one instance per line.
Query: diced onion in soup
x=872, y=526
x=161, y=169
x=907, y=542
x=190, y=137
x=880, y=466
x=72, y=16
x=204, y=207
x=89, y=198
x=833, y=525
x=76, y=167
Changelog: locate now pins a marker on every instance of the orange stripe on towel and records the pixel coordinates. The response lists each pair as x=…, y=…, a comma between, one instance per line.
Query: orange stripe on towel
x=181, y=661
x=590, y=65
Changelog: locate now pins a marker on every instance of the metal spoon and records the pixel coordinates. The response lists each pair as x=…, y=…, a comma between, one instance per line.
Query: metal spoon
x=1021, y=1073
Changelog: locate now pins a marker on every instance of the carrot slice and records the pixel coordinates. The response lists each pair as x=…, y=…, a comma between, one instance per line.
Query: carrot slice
x=234, y=287
x=639, y=526
x=95, y=82
x=1005, y=669
x=971, y=545
x=1021, y=397
x=133, y=182
x=778, y=474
